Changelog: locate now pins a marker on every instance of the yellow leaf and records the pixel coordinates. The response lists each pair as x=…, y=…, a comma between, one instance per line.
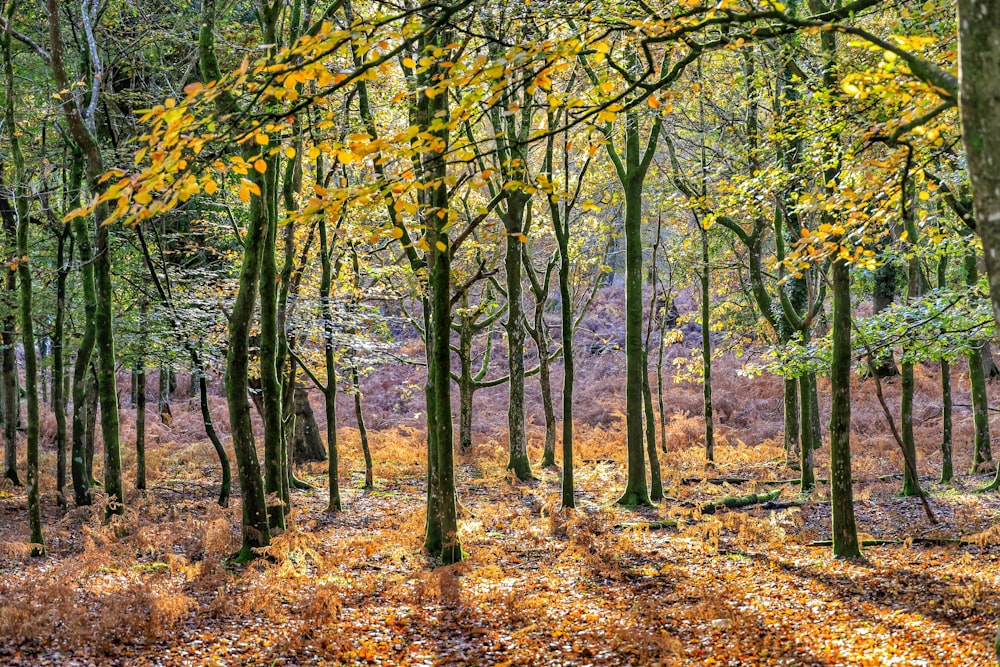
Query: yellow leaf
x=260, y=166
x=345, y=157
x=441, y=246
x=396, y=233
x=653, y=102
x=262, y=139
x=211, y=187
x=924, y=195
x=290, y=152
x=409, y=63
x=245, y=194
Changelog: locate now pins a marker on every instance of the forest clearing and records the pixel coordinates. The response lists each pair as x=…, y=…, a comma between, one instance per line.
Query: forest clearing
x=443, y=332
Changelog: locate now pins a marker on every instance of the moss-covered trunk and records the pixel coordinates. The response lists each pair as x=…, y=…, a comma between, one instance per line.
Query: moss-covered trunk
x=845, y=532
x=807, y=391
x=706, y=349
x=632, y=173
x=514, y=325
x=256, y=529
x=982, y=452
x=21, y=210
x=59, y=365
x=330, y=359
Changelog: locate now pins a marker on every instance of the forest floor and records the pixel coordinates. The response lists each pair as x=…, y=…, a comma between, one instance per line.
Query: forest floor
x=540, y=586
x=598, y=585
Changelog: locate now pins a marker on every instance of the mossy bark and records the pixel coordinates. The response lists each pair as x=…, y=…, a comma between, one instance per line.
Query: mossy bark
x=845, y=532
x=275, y=458
x=631, y=174
x=329, y=357
x=21, y=210
x=256, y=529
x=807, y=391
x=982, y=452
x=59, y=356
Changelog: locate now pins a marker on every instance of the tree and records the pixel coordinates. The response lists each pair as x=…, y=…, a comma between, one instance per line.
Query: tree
x=81, y=128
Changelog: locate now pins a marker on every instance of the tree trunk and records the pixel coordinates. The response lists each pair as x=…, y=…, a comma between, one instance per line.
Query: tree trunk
x=330, y=391
x=982, y=451
x=845, y=532
x=517, y=438
x=632, y=175
x=59, y=361
x=807, y=390
x=791, y=417
x=275, y=472
x=706, y=350
x=947, y=467
x=655, y=482
x=979, y=67
x=21, y=209
x=306, y=444
x=362, y=428
x=466, y=384
x=140, y=427
x=91, y=406
x=206, y=418
x=163, y=394
x=911, y=484
x=256, y=530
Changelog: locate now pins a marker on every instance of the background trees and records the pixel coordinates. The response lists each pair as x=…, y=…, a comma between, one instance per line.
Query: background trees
x=437, y=147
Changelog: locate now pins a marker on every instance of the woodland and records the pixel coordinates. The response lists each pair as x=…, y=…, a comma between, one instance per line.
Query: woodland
x=548, y=332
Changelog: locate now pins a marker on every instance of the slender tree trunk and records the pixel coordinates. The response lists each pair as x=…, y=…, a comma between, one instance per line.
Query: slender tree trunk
x=545, y=384
x=140, y=427
x=518, y=443
x=982, y=451
x=9, y=374
x=947, y=467
x=655, y=482
x=433, y=174
x=466, y=384
x=807, y=390
x=791, y=416
x=90, y=410
x=10, y=393
x=330, y=391
x=706, y=350
x=362, y=428
x=276, y=474
x=21, y=209
x=256, y=530
x=59, y=364
x=911, y=485
x=636, y=492
x=206, y=417
x=569, y=367
x=845, y=532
